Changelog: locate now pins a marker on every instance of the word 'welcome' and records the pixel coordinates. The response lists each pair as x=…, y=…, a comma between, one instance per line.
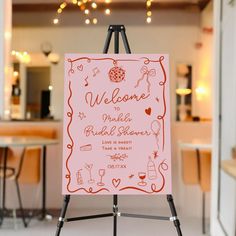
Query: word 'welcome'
x=115, y=97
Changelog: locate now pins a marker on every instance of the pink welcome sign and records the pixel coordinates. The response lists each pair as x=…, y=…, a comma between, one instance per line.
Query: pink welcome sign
x=116, y=124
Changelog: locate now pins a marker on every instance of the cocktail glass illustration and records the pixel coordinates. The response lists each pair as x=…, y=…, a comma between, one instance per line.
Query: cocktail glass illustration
x=142, y=176
x=89, y=168
x=101, y=172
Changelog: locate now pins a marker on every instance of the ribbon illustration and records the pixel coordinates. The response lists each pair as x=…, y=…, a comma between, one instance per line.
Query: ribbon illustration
x=146, y=73
x=155, y=127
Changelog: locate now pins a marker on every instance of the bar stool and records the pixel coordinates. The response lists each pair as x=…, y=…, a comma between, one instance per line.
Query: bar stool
x=196, y=169
x=23, y=169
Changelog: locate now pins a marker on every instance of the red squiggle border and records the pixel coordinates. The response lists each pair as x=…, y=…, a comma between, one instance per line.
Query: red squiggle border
x=160, y=117
x=70, y=147
x=162, y=83
x=72, y=71
x=90, y=190
x=153, y=186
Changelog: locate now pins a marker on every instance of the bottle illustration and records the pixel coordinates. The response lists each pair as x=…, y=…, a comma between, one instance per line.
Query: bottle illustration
x=79, y=177
x=151, y=169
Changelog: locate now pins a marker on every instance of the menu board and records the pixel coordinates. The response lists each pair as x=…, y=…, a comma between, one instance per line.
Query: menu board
x=116, y=124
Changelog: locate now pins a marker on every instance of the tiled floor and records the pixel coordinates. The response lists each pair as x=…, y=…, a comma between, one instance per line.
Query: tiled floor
x=103, y=227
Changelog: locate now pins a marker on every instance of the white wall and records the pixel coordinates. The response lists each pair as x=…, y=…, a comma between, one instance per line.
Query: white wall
x=203, y=101
x=5, y=64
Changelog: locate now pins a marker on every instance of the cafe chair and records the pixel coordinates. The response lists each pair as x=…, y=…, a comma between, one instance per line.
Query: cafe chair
x=23, y=169
x=196, y=169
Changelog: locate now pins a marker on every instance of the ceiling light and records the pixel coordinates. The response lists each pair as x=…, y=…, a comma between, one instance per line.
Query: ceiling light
x=54, y=58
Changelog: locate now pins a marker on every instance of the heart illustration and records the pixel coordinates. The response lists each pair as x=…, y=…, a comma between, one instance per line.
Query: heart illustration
x=80, y=67
x=148, y=111
x=116, y=182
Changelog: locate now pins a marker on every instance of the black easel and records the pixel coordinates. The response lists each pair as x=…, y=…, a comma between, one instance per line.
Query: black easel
x=117, y=30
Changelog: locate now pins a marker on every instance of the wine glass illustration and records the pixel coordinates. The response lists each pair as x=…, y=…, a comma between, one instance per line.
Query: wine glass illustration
x=89, y=168
x=101, y=172
x=142, y=176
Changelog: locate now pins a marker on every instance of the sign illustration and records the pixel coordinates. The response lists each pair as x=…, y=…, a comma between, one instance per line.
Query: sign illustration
x=116, y=124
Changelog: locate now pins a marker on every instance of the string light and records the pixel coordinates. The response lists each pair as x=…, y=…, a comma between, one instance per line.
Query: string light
x=149, y=20
x=107, y=11
x=94, y=5
x=55, y=21
x=63, y=5
x=86, y=6
x=87, y=21
x=86, y=11
x=23, y=57
x=95, y=21
x=149, y=11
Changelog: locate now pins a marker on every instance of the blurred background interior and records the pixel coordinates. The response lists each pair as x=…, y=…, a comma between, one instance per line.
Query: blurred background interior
x=199, y=36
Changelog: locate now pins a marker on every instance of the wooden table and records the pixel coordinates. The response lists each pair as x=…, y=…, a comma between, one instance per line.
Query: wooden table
x=26, y=141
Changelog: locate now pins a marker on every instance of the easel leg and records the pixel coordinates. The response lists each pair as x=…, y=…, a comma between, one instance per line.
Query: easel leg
x=203, y=213
x=115, y=210
x=62, y=215
x=5, y=153
x=174, y=214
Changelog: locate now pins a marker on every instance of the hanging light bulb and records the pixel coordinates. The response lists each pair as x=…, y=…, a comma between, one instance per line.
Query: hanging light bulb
x=107, y=11
x=94, y=5
x=87, y=21
x=95, y=21
x=55, y=21
x=86, y=11
x=149, y=20
x=149, y=13
x=149, y=3
x=63, y=5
